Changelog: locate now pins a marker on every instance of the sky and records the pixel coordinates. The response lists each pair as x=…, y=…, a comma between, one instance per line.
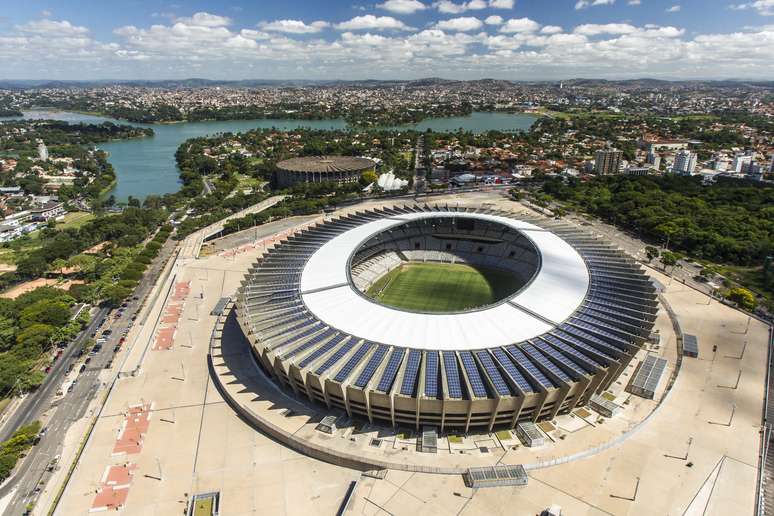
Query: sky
x=387, y=39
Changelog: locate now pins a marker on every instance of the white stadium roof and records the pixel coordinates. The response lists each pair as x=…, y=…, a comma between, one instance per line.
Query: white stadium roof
x=554, y=293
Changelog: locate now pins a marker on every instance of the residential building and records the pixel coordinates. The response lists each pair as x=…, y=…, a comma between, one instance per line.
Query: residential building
x=607, y=161
x=742, y=162
x=654, y=159
x=42, y=152
x=637, y=171
x=685, y=163
x=50, y=210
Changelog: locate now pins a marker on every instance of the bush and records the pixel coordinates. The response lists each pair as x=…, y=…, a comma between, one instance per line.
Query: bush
x=742, y=297
x=11, y=450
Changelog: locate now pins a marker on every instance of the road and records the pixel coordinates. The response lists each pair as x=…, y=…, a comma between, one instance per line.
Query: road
x=208, y=187
x=30, y=408
x=419, y=170
x=32, y=473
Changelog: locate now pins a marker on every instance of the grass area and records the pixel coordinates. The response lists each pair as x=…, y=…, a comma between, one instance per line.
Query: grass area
x=608, y=396
x=245, y=181
x=504, y=435
x=18, y=249
x=203, y=507
x=456, y=439
x=751, y=278
x=75, y=219
x=583, y=413
x=441, y=287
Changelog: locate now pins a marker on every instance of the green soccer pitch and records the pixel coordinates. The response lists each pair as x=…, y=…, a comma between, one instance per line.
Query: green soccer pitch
x=441, y=287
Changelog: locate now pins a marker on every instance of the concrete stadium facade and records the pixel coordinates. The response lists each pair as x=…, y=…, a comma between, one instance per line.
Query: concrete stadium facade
x=579, y=312
x=319, y=169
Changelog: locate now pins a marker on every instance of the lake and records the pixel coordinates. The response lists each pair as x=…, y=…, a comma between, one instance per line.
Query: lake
x=147, y=166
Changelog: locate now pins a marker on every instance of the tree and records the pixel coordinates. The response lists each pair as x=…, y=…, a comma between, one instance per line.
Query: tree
x=651, y=252
x=368, y=177
x=47, y=311
x=667, y=229
x=669, y=259
x=115, y=294
x=742, y=297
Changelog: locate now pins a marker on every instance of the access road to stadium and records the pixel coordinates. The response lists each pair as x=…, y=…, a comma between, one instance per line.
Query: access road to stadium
x=61, y=414
x=698, y=454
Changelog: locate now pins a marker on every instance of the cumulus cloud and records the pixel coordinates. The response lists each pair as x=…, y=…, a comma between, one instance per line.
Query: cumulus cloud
x=203, y=19
x=293, y=26
x=501, y=4
x=462, y=24
x=592, y=29
x=369, y=21
x=582, y=4
x=53, y=28
x=764, y=7
x=402, y=6
x=520, y=25
x=449, y=7
x=521, y=48
x=494, y=20
x=551, y=29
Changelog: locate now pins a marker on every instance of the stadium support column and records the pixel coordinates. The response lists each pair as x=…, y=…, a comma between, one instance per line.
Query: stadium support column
x=564, y=390
x=517, y=410
x=494, y=413
x=367, y=395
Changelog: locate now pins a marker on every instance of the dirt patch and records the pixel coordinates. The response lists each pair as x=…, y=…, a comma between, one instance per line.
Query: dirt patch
x=28, y=286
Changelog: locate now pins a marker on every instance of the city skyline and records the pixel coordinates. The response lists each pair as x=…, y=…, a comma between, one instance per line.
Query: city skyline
x=390, y=39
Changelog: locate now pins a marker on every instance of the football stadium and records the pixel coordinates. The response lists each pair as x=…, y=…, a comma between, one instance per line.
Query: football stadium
x=319, y=169
x=455, y=317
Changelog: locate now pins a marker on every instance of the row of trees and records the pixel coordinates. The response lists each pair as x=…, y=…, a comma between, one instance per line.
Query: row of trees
x=13, y=449
x=29, y=326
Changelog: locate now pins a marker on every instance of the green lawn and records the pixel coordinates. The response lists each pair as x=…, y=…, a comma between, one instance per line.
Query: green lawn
x=75, y=219
x=203, y=507
x=435, y=287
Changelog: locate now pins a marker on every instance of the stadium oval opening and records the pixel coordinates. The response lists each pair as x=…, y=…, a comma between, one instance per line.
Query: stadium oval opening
x=444, y=265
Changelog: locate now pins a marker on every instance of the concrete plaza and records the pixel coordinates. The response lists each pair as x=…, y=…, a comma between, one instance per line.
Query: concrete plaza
x=697, y=454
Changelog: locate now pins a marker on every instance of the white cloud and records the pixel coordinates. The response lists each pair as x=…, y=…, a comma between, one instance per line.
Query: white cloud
x=582, y=4
x=519, y=25
x=45, y=13
x=369, y=21
x=675, y=8
x=203, y=19
x=187, y=47
x=592, y=29
x=402, y=6
x=449, y=7
x=53, y=28
x=764, y=7
x=494, y=20
x=551, y=29
x=633, y=2
x=293, y=26
x=501, y=4
x=462, y=24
